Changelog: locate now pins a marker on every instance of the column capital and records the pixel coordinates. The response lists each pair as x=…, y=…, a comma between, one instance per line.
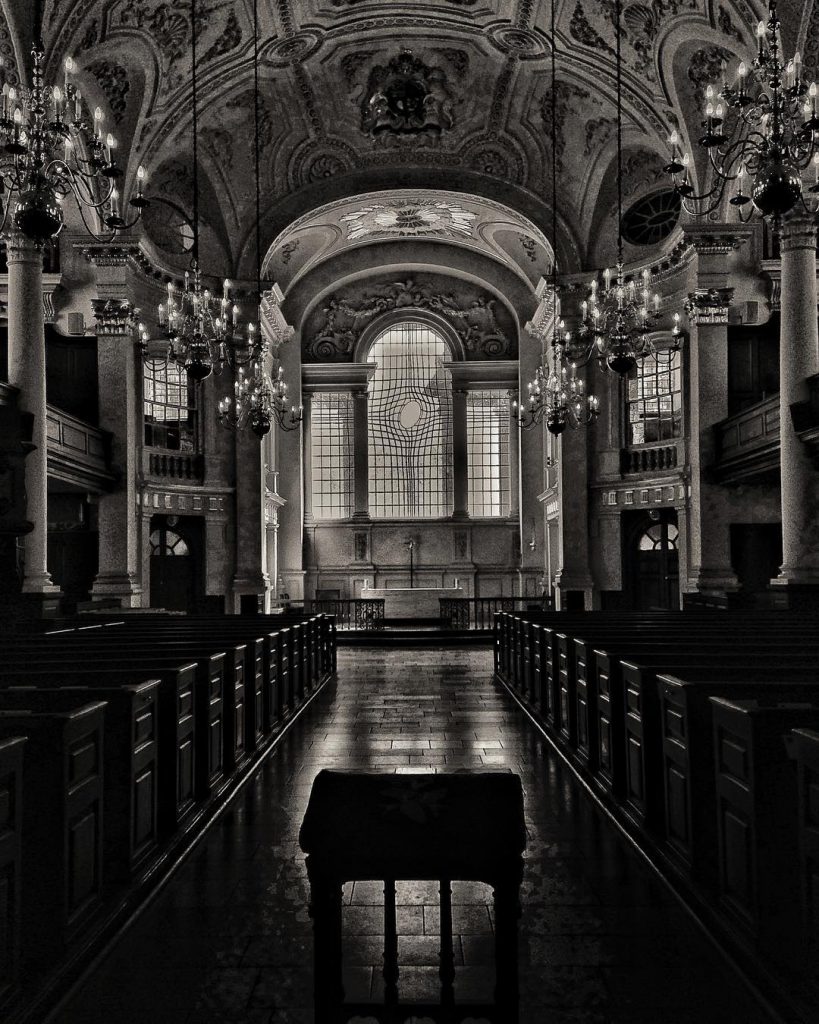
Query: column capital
x=20, y=249
x=113, y=316
x=709, y=305
x=715, y=240
x=798, y=232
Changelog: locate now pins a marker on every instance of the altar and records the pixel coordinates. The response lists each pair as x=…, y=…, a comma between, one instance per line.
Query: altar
x=412, y=602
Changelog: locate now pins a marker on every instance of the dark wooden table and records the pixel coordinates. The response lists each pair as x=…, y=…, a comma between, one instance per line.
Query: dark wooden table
x=464, y=826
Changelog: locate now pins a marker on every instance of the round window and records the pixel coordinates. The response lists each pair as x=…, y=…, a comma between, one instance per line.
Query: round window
x=652, y=218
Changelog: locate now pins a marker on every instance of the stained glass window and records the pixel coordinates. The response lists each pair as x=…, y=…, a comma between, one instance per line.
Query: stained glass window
x=410, y=425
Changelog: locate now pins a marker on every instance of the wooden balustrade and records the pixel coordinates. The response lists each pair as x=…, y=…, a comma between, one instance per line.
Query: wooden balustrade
x=747, y=444
x=350, y=612
x=656, y=459
x=479, y=612
x=175, y=465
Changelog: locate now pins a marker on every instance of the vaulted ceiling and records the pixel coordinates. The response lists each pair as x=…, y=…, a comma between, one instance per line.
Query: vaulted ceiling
x=331, y=128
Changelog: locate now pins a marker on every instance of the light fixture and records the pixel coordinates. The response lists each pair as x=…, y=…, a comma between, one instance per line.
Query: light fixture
x=199, y=326
x=259, y=399
x=50, y=149
x=556, y=394
x=761, y=133
x=618, y=316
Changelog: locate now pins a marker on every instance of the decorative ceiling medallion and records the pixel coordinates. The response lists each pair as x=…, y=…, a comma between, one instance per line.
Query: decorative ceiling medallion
x=524, y=43
x=294, y=49
x=407, y=97
x=408, y=218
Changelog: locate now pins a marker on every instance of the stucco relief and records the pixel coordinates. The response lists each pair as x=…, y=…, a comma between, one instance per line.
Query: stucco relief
x=406, y=96
x=407, y=218
x=481, y=323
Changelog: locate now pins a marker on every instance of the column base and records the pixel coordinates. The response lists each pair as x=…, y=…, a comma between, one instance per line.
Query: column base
x=460, y=517
x=120, y=587
x=361, y=517
x=41, y=583
x=793, y=596
x=714, y=581
x=796, y=578
x=31, y=605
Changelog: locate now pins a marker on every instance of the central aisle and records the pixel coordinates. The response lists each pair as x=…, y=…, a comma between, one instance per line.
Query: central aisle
x=229, y=939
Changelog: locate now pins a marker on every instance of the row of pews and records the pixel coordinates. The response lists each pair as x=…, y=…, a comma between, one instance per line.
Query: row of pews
x=702, y=731
x=115, y=740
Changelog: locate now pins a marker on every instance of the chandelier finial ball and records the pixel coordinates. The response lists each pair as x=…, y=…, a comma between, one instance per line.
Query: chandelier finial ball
x=37, y=214
x=556, y=422
x=621, y=362
x=198, y=369
x=260, y=425
x=777, y=188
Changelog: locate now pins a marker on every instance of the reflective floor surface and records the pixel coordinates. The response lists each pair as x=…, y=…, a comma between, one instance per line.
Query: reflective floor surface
x=229, y=938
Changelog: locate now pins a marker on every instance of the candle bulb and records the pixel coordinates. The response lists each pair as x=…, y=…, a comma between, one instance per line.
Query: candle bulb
x=98, y=123
x=68, y=66
x=57, y=97
x=607, y=278
x=109, y=145
x=656, y=303
x=77, y=107
x=234, y=314
x=225, y=287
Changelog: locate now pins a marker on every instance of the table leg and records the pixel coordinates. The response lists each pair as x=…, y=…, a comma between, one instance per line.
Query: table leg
x=328, y=986
x=507, y=912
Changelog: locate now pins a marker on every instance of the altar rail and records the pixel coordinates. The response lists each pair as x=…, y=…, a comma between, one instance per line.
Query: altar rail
x=479, y=612
x=350, y=612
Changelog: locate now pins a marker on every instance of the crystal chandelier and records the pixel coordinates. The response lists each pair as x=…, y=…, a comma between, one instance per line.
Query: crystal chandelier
x=556, y=394
x=617, y=318
x=200, y=327
x=258, y=398
x=50, y=149
x=762, y=129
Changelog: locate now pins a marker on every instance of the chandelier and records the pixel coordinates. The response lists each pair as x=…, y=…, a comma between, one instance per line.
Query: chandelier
x=200, y=327
x=761, y=132
x=556, y=394
x=258, y=398
x=617, y=318
x=50, y=149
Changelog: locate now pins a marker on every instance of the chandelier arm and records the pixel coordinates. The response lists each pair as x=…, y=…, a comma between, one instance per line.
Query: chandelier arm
x=91, y=231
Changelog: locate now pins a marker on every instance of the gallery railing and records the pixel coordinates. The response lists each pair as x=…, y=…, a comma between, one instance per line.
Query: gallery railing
x=479, y=612
x=350, y=612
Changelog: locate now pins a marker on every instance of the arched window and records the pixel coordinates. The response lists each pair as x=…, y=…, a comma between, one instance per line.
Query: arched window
x=410, y=424
x=166, y=543
x=659, y=536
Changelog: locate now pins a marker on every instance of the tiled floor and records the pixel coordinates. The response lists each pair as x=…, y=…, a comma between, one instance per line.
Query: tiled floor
x=229, y=939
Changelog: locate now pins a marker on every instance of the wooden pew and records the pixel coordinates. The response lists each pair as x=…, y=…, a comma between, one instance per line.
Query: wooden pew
x=11, y=859
x=757, y=821
x=62, y=826
x=803, y=747
x=130, y=767
x=208, y=691
x=688, y=757
x=177, y=752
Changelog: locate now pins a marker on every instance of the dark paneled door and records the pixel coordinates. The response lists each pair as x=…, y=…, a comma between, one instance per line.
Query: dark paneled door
x=175, y=568
x=653, y=562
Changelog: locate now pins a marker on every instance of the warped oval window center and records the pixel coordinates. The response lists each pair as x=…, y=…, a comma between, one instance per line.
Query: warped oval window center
x=410, y=415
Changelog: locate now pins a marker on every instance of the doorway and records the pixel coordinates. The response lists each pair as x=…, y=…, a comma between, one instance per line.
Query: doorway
x=176, y=563
x=651, y=557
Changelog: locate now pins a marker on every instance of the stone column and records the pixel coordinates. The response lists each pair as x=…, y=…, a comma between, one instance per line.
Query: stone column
x=709, y=544
x=250, y=581
x=119, y=576
x=290, y=452
x=26, y=370
x=361, y=456
x=574, y=585
x=460, y=455
x=798, y=360
x=532, y=453
x=514, y=462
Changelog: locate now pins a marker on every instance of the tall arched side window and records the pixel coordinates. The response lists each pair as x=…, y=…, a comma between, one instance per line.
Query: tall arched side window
x=169, y=406
x=331, y=454
x=410, y=425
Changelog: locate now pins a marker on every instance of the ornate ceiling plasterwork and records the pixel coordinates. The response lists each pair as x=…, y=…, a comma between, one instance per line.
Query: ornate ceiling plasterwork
x=480, y=77
x=467, y=221
x=482, y=325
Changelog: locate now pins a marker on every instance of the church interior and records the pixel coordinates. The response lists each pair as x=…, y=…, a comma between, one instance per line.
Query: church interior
x=409, y=493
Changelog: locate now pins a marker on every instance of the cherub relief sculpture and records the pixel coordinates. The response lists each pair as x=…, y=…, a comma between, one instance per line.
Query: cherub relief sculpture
x=345, y=316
